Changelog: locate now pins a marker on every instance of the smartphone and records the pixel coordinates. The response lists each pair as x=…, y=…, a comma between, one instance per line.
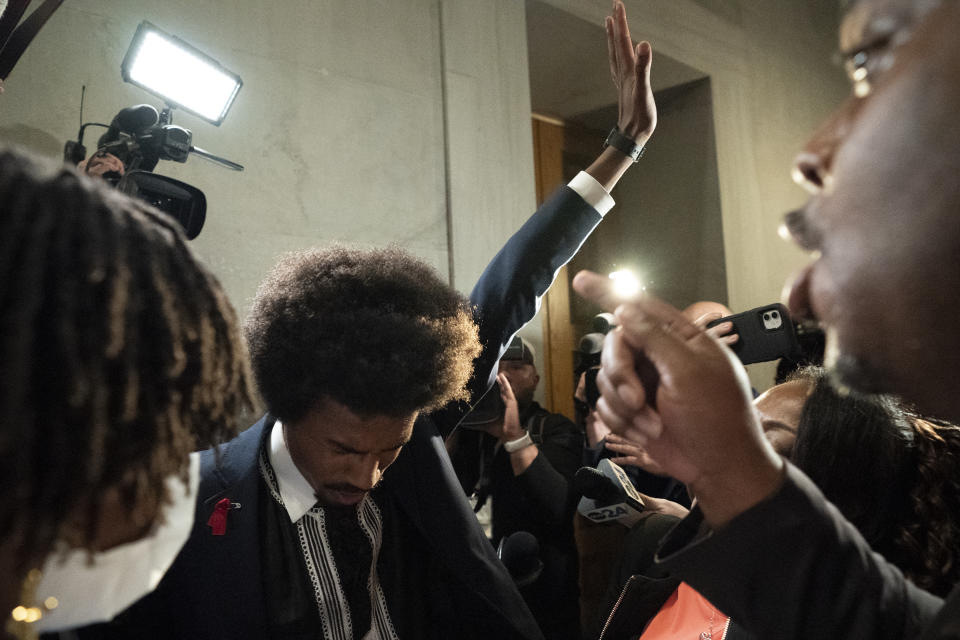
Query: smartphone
x=766, y=333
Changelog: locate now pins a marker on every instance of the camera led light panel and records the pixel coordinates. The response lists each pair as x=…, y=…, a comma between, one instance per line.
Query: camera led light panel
x=180, y=74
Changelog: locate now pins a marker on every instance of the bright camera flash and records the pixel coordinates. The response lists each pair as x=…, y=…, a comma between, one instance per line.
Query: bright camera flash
x=625, y=284
x=178, y=73
x=784, y=232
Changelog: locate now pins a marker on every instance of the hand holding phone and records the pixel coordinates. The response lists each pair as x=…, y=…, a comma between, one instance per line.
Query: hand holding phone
x=765, y=333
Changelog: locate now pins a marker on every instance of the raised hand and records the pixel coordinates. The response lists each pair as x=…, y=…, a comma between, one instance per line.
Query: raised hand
x=630, y=69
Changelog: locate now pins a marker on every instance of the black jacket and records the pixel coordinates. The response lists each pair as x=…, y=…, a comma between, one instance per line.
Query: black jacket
x=639, y=586
x=540, y=501
x=793, y=567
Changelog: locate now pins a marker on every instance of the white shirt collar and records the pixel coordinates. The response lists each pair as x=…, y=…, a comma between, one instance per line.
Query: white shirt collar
x=297, y=494
x=97, y=591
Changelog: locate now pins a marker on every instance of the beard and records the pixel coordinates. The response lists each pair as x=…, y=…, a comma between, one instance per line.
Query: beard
x=524, y=398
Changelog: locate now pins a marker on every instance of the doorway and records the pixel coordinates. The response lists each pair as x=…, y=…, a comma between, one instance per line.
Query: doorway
x=666, y=227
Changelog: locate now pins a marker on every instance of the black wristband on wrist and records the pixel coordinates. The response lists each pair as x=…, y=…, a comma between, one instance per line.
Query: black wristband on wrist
x=624, y=144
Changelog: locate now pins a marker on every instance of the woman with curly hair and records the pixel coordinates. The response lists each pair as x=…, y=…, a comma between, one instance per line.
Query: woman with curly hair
x=890, y=472
x=119, y=355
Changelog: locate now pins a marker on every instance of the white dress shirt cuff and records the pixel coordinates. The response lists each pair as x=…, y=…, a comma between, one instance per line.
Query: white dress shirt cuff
x=593, y=192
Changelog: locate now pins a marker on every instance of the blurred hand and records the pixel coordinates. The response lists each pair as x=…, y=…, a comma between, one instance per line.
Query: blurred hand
x=698, y=424
x=595, y=429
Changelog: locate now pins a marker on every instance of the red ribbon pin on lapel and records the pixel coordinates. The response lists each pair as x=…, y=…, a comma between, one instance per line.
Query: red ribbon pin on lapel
x=218, y=519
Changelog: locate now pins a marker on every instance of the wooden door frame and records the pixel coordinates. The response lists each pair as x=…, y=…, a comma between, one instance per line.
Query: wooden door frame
x=558, y=346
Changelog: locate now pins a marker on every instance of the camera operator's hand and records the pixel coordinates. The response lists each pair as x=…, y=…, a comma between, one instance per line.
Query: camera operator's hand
x=703, y=431
x=630, y=69
x=101, y=163
x=511, y=416
x=520, y=459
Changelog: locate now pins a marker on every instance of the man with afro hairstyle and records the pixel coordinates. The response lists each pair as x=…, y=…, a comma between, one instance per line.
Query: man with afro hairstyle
x=338, y=514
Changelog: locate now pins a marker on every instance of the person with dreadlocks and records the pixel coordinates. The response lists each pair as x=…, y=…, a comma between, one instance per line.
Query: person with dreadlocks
x=119, y=355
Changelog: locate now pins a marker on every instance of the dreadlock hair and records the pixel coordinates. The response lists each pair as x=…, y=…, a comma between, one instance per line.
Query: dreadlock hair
x=891, y=474
x=377, y=331
x=120, y=354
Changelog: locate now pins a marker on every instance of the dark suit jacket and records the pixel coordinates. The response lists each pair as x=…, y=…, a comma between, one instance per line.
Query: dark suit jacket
x=639, y=587
x=793, y=567
x=214, y=588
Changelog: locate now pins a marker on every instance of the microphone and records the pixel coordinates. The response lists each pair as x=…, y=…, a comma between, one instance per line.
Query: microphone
x=136, y=119
x=608, y=495
x=604, y=322
x=591, y=343
x=520, y=554
x=130, y=121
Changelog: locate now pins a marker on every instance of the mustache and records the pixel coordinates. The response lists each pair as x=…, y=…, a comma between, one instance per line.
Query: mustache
x=345, y=488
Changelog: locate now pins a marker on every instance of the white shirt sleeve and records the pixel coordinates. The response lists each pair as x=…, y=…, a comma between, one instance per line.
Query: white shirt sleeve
x=593, y=192
x=88, y=593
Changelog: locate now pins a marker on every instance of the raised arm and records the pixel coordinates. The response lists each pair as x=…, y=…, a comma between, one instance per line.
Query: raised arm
x=508, y=293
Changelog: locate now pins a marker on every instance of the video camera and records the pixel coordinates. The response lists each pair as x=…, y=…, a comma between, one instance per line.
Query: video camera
x=588, y=359
x=140, y=137
x=137, y=137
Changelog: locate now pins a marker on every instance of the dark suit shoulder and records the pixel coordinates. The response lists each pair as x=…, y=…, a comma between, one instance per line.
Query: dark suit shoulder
x=222, y=466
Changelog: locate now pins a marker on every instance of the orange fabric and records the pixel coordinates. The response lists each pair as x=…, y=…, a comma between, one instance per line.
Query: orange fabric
x=686, y=615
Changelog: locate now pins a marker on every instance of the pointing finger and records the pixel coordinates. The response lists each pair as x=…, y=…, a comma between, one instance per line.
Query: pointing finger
x=597, y=289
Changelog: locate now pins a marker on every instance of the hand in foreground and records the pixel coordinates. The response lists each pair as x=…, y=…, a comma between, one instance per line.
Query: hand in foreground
x=630, y=68
x=595, y=430
x=703, y=430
